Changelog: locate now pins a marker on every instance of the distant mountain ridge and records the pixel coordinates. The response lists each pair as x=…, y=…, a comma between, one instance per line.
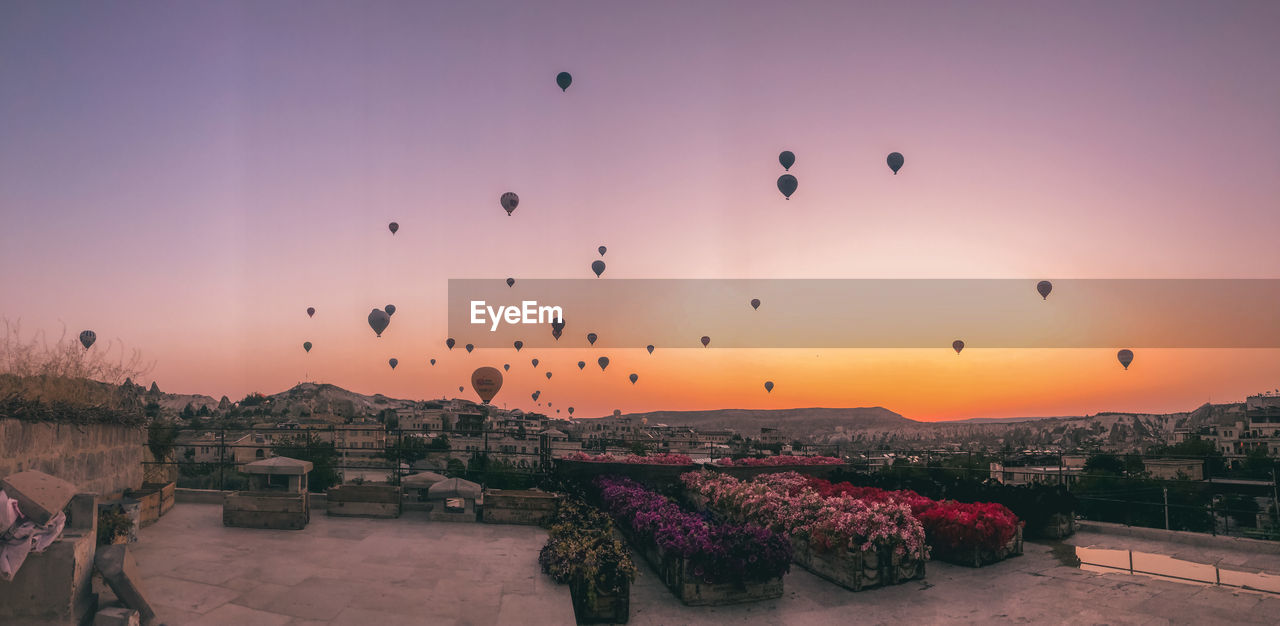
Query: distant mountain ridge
x=800, y=419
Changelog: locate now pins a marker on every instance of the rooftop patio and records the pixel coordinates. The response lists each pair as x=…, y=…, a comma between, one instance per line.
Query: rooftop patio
x=410, y=570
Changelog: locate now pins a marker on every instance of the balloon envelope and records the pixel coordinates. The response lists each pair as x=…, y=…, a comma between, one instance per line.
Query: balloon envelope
x=306, y=345
x=556, y=332
x=548, y=375
x=787, y=185
x=563, y=80
x=486, y=381
x=378, y=320
x=511, y=282
x=570, y=410
x=591, y=338
x=469, y=348
x=957, y=345
x=634, y=378
x=602, y=250
x=649, y=348
x=449, y=343
x=768, y=386
x=506, y=367
x=509, y=202
x=787, y=159
x=433, y=361
x=1043, y=288
x=705, y=340
x=518, y=344
x=895, y=161
x=597, y=267
x=582, y=364
x=535, y=362
x=393, y=227
x=603, y=361
x=755, y=303
x=393, y=363
x=1125, y=357
x=390, y=309
x=88, y=337
x=311, y=311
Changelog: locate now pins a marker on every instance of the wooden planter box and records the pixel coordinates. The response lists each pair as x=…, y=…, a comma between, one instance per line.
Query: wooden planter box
x=606, y=608
x=364, y=501
x=857, y=570
x=749, y=472
x=648, y=474
x=677, y=575
x=281, y=511
x=155, y=499
x=1060, y=526
x=977, y=557
x=525, y=506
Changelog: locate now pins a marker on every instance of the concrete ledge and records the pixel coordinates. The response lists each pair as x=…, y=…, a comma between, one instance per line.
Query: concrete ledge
x=214, y=496
x=1199, y=540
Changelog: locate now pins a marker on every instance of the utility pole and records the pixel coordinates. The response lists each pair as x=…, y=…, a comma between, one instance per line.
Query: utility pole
x=1166, y=508
x=1275, y=500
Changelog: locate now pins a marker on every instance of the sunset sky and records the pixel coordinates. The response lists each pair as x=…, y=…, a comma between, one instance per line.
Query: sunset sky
x=187, y=178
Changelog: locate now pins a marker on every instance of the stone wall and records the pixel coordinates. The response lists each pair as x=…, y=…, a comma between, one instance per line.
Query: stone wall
x=98, y=458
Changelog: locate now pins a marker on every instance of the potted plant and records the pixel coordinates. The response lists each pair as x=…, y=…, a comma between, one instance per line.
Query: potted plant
x=113, y=526
x=583, y=552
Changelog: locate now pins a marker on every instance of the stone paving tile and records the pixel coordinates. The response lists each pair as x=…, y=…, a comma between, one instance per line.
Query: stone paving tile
x=240, y=616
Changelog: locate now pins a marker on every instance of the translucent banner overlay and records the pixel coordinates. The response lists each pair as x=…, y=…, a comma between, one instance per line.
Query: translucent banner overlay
x=926, y=313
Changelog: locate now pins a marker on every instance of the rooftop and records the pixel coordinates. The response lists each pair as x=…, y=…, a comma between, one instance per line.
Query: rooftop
x=411, y=571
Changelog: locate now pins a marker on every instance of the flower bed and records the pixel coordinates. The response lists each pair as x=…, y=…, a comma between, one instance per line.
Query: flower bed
x=751, y=467
x=581, y=550
x=703, y=563
x=655, y=469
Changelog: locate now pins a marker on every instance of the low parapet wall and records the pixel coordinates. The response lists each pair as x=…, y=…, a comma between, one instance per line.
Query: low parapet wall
x=97, y=458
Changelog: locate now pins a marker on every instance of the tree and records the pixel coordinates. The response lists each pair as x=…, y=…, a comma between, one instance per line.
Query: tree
x=188, y=411
x=1103, y=463
x=253, y=399
x=322, y=454
x=160, y=437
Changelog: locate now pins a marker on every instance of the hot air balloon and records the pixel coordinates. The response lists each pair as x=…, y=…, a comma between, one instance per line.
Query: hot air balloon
x=597, y=266
x=306, y=345
x=563, y=79
x=602, y=250
x=895, y=162
x=390, y=309
x=433, y=361
x=957, y=345
x=557, y=324
x=755, y=303
x=511, y=282
x=506, y=367
x=1125, y=357
x=787, y=185
x=469, y=348
x=459, y=387
x=649, y=348
x=591, y=338
x=1044, y=287
x=787, y=159
x=393, y=227
x=311, y=311
x=449, y=343
x=378, y=320
x=582, y=364
x=705, y=340
x=768, y=386
x=87, y=338
x=634, y=378
x=548, y=375
x=535, y=362
x=393, y=363
x=518, y=344
x=570, y=410
x=486, y=381
x=603, y=361
x=509, y=202
x=549, y=404
x=556, y=332
x=535, y=395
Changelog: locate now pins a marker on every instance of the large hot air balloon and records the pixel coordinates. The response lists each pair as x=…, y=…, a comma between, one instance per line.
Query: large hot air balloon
x=509, y=201
x=787, y=185
x=87, y=338
x=1044, y=287
x=449, y=343
x=393, y=227
x=506, y=367
x=486, y=381
x=1125, y=357
x=378, y=320
x=768, y=386
x=705, y=341
x=306, y=345
x=755, y=303
x=511, y=282
x=535, y=362
x=393, y=363
x=390, y=309
x=469, y=348
x=957, y=345
x=602, y=250
x=433, y=361
x=582, y=364
x=634, y=378
x=548, y=375
x=787, y=159
x=518, y=344
x=591, y=338
x=311, y=311
x=649, y=348
x=563, y=80
x=603, y=361
x=895, y=162
x=597, y=266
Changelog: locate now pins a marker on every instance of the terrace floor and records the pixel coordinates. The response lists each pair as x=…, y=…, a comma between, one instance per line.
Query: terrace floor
x=412, y=571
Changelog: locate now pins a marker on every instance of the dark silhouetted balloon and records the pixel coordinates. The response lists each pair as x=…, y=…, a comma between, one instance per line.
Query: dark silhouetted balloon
x=535, y=362
x=563, y=79
x=705, y=341
x=591, y=338
x=393, y=363
x=957, y=345
x=518, y=344
x=557, y=324
x=649, y=348
x=449, y=343
x=390, y=309
x=597, y=266
x=895, y=162
x=506, y=367
x=556, y=332
x=311, y=311
x=433, y=361
x=603, y=361
x=1125, y=357
x=548, y=375
x=509, y=202
x=469, y=348
x=378, y=320
x=634, y=378
x=1044, y=287
x=582, y=364
x=87, y=338
x=787, y=159
x=768, y=386
x=535, y=395
x=393, y=227
x=570, y=410
x=602, y=250
x=459, y=387
x=787, y=185
x=755, y=303
x=511, y=282
x=306, y=345
x=486, y=381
